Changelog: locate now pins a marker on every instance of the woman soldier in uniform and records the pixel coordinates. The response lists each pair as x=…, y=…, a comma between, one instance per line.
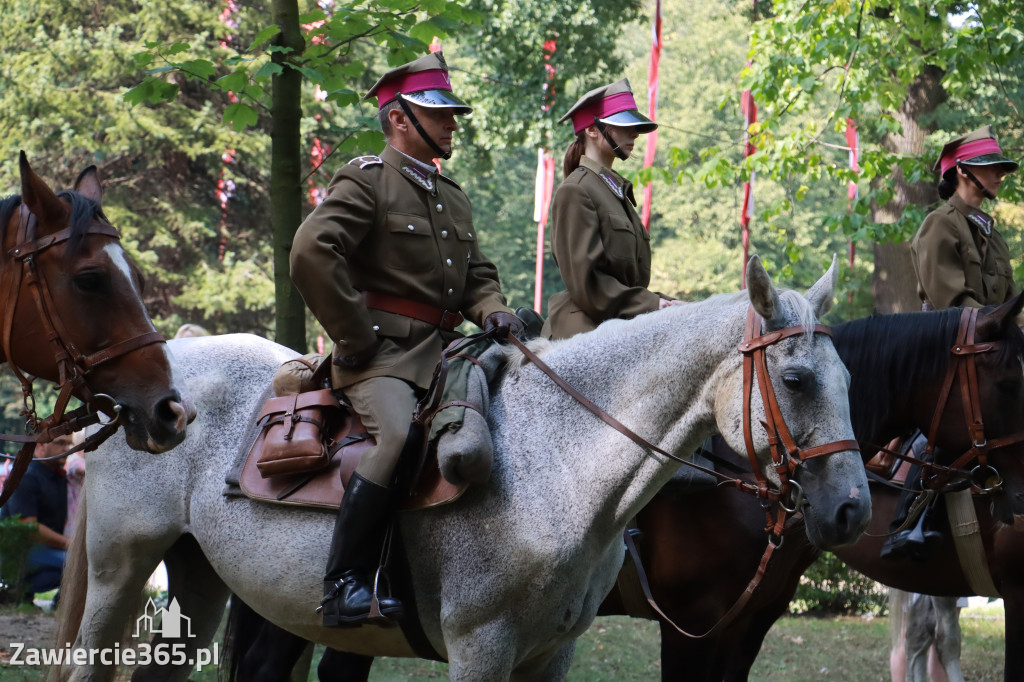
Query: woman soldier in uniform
x=600, y=246
x=960, y=260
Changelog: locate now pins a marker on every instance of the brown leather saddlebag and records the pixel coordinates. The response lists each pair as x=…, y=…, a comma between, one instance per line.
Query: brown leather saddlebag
x=296, y=432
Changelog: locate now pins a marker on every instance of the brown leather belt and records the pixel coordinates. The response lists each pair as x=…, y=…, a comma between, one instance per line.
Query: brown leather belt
x=446, y=320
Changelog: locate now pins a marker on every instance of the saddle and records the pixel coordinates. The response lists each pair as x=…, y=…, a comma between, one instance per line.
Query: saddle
x=452, y=413
x=887, y=466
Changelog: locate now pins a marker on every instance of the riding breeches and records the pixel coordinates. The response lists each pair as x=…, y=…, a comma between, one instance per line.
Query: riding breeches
x=385, y=405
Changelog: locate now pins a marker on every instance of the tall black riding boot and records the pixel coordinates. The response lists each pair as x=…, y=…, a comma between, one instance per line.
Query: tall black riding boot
x=349, y=597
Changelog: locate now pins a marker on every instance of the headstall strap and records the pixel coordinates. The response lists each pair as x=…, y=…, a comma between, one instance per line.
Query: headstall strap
x=964, y=368
x=72, y=365
x=786, y=454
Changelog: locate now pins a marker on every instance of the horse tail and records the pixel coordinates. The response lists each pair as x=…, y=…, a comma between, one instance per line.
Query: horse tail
x=898, y=602
x=73, y=586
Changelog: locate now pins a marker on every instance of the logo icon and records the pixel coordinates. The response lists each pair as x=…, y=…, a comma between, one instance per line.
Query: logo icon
x=170, y=621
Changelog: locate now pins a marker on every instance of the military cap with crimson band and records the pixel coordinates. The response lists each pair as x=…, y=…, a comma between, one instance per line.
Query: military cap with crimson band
x=610, y=104
x=977, y=148
x=424, y=82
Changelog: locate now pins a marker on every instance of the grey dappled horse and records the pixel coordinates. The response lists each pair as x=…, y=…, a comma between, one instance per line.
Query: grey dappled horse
x=509, y=576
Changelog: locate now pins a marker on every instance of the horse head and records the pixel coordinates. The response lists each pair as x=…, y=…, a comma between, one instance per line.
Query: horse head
x=810, y=385
x=72, y=311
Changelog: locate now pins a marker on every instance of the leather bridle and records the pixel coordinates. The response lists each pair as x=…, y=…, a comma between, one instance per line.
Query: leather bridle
x=73, y=366
x=964, y=368
x=787, y=456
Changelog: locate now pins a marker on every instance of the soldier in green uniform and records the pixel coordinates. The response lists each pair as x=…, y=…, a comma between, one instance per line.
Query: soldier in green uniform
x=600, y=246
x=389, y=264
x=960, y=260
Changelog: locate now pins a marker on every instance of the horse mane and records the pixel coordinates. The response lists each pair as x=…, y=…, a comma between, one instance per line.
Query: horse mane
x=83, y=212
x=916, y=349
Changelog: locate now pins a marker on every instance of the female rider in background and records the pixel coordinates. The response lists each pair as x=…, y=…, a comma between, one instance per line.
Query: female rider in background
x=601, y=248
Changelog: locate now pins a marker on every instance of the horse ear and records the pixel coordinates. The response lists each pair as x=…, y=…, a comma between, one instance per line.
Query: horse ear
x=821, y=294
x=1003, y=315
x=762, y=293
x=88, y=185
x=38, y=196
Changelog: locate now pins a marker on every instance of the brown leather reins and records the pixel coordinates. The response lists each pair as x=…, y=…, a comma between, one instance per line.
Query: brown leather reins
x=786, y=454
x=73, y=367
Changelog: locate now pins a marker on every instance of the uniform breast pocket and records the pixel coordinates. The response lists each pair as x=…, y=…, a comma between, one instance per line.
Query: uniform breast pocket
x=410, y=243
x=620, y=241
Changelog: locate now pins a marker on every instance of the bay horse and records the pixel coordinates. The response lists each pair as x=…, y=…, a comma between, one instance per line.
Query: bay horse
x=508, y=577
x=897, y=364
x=71, y=312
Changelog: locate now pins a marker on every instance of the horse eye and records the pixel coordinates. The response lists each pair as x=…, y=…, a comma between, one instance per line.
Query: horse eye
x=90, y=282
x=792, y=381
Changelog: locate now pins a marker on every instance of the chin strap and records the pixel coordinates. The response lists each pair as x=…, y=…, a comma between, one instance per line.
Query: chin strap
x=423, y=133
x=970, y=176
x=604, y=131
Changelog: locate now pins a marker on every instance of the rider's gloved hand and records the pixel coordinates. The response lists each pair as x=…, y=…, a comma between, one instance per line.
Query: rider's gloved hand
x=503, y=323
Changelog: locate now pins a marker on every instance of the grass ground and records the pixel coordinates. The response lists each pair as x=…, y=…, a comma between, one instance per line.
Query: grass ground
x=798, y=649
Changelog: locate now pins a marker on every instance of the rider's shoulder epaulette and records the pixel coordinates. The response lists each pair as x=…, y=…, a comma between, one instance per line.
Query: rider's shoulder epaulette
x=364, y=161
x=449, y=181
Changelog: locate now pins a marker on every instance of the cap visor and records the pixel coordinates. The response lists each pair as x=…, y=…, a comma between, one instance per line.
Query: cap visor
x=992, y=160
x=631, y=118
x=438, y=99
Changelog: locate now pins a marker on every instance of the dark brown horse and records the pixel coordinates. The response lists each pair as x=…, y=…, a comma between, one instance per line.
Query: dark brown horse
x=71, y=312
x=897, y=365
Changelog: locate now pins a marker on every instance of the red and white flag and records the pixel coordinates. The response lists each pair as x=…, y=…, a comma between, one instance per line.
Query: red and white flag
x=749, y=118
x=652, y=109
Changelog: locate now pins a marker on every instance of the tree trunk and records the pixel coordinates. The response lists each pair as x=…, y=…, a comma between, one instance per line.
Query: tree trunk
x=285, y=173
x=894, y=283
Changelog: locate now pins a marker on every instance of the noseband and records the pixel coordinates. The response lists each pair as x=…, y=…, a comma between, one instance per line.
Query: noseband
x=73, y=366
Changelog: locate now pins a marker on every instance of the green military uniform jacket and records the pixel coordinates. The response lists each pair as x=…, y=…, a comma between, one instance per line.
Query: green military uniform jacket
x=602, y=251
x=961, y=259
x=392, y=225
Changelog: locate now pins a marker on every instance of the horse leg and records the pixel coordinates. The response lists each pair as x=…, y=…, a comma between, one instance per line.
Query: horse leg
x=118, y=569
x=683, y=658
x=920, y=618
x=341, y=666
x=481, y=654
x=947, y=637
x=1013, y=609
x=201, y=596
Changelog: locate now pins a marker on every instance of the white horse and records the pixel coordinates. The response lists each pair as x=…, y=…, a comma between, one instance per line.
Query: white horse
x=509, y=576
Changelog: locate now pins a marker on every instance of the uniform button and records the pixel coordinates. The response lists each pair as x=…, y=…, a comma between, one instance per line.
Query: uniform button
x=439, y=207
x=449, y=261
x=991, y=272
x=451, y=291
x=412, y=228
x=444, y=234
x=376, y=327
x=470, y=235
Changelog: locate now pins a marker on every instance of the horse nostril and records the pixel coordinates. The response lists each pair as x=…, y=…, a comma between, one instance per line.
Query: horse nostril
x=172, y=412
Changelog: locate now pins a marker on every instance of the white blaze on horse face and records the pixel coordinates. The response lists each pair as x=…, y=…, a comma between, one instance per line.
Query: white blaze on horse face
x=120, y=261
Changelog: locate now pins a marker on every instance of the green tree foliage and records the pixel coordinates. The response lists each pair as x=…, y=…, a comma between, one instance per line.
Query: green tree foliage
x=813, y=64
x=65, y=69
x=830, y=587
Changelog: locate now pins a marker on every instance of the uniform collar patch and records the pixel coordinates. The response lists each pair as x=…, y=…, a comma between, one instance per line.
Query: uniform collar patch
x=421, y=177
x=982, y=221
x=364, y=161
x=615, y=187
